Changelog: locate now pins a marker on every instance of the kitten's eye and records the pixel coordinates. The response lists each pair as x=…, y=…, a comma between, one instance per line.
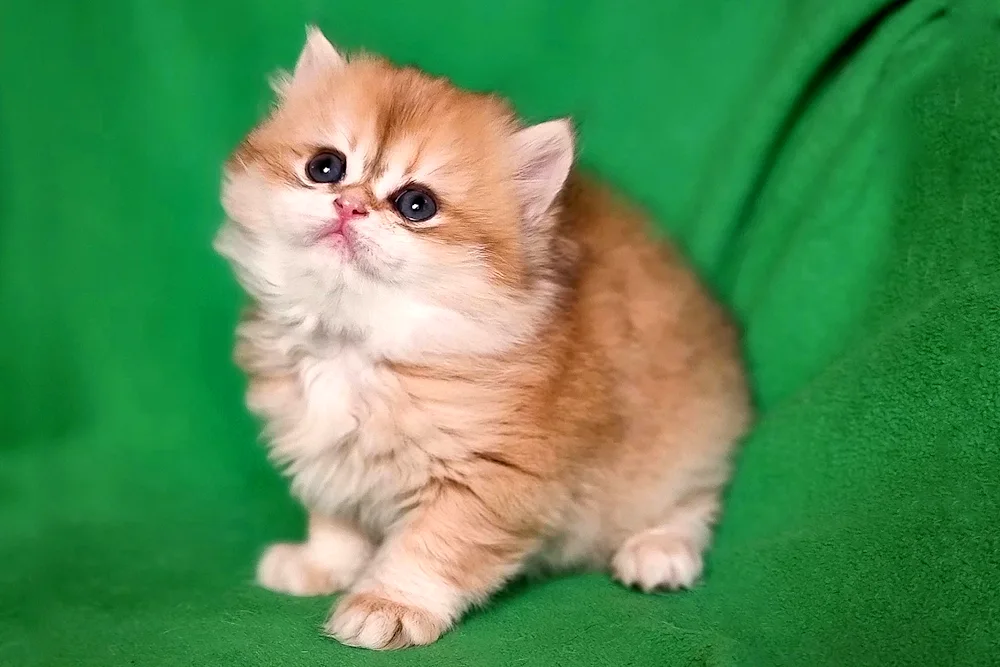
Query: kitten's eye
x=416, y=205
x=326, y=167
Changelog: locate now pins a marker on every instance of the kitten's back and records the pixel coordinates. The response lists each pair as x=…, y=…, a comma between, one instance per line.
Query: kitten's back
x=653, y=374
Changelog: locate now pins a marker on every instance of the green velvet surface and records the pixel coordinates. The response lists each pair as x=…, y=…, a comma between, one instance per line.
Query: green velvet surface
x=833, y=168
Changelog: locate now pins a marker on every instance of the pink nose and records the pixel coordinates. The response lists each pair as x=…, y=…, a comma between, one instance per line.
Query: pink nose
x=349, y=208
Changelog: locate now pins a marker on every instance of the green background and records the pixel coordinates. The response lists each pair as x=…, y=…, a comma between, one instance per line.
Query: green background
x=833, y=167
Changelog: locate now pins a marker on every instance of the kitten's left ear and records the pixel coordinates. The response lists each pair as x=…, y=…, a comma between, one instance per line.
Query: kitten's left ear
x=318, y=57
x=544, y=156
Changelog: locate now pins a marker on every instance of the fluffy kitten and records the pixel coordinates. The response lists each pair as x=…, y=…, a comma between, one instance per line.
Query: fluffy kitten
x=471, y=359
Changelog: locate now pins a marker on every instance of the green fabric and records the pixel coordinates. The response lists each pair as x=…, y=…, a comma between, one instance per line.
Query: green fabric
x=832, y=166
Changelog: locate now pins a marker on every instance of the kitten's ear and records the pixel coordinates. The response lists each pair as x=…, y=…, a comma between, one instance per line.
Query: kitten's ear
x=544, y=156
x=318, y=56
x=280, y=81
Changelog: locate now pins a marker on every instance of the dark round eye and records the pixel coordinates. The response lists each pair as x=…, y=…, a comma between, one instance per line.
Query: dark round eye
x=326, y=167
x=416, y=205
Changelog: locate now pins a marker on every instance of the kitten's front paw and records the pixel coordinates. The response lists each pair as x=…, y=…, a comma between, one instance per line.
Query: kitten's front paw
x=288, y=568
x=368, y=620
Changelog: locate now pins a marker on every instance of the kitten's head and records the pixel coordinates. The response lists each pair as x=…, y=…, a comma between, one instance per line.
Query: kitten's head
x=372, y=182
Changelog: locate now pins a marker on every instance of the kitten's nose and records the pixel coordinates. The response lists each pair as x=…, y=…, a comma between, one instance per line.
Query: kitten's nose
x=349, y=208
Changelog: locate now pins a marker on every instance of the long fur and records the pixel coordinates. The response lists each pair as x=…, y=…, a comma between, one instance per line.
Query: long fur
x=526, y=382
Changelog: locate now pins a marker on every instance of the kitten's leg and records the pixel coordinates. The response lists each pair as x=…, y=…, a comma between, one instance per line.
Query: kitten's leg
x=454, y=552
x=669, y=555
x=328, y=561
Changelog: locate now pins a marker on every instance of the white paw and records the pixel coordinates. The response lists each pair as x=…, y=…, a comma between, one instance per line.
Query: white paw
x=655, y=559
x=288, y=568
x=369, y=620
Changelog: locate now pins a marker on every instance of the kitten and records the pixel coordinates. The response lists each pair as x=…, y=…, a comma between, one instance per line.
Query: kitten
x=471, y=359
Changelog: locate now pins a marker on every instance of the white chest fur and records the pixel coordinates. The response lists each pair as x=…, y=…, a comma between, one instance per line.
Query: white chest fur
x=352, y=443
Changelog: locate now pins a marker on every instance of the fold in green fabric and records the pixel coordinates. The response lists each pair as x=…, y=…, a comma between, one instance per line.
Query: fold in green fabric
x=833, y=168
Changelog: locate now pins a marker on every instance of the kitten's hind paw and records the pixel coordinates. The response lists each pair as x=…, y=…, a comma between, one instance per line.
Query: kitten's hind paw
x=656, y=559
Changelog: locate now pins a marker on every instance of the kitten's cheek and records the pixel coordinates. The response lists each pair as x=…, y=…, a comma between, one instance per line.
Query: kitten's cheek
x=233, y=198
x=246, y=202
x=239, y=213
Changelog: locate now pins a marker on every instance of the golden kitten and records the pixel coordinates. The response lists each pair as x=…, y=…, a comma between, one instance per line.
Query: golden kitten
x=472, y=360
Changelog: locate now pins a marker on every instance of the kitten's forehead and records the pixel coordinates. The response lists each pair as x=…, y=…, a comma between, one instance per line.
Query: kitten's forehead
x=397, y=124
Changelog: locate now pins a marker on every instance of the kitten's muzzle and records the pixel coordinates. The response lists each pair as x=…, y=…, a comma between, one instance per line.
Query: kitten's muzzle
x=347, y=210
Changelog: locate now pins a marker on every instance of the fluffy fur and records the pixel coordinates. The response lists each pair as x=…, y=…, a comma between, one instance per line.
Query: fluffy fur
x=524, y=382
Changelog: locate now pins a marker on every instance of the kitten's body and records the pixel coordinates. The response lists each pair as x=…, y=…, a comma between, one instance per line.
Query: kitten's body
x=532, y=383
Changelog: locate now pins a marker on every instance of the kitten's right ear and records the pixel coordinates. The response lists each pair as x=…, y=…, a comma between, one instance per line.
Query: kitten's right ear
x=318, y=57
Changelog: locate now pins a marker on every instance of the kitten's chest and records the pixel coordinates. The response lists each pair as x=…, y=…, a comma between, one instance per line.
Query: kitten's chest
x=359, y=442
x=345, y=396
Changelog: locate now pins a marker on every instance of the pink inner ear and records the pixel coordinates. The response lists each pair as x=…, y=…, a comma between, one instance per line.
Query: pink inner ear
x=544, y=156
x=318, y=56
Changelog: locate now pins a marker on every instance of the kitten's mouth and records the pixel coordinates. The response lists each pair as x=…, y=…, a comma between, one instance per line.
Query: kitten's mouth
x=336, y=234
x=332, y=229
